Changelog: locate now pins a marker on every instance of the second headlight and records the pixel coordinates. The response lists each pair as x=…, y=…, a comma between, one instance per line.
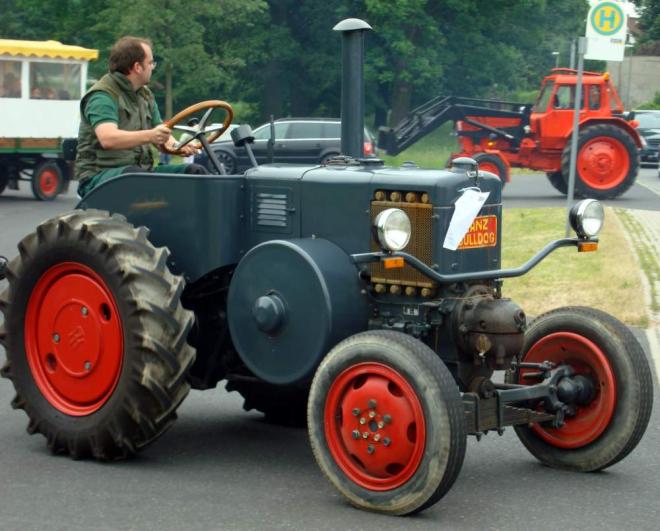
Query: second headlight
x=392, y=229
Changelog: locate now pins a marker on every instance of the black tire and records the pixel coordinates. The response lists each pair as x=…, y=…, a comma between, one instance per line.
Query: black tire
x=493, y=164
x=558, y=182
x=143, y=347
x=286, y=406
x=47, y=181
x=619, y=145
x=3, y=182
x=227, y=159
x=415, y=376
x=632, y=399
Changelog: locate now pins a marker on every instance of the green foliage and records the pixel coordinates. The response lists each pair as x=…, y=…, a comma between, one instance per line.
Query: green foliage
x=655, y=104
x=280, y=57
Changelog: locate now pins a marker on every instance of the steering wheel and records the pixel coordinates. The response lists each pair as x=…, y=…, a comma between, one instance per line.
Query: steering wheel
x=196, y=131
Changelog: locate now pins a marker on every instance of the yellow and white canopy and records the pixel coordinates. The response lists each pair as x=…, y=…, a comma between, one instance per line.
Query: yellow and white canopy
x=49, y=49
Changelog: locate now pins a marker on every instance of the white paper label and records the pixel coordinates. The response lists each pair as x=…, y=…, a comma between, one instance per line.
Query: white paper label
x=465, y=211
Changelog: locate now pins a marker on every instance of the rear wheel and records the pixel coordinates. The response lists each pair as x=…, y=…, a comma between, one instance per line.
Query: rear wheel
x=607, y=162
x=598, y=347
x=95, y=335
x=556, y=179
x=493, y=164
x=47, y=181
x=385, y=421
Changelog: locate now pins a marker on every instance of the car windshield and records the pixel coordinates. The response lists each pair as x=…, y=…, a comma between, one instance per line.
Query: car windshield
x=648, y=120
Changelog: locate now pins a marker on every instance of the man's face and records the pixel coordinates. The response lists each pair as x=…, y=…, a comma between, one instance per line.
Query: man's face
x=146, y=67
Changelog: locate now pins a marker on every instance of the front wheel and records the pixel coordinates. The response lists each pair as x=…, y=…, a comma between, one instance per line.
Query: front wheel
x=385, y=421
x=493, y=164
x=607, y=162
x=606, y=428
x=47, y=181
x=556, y=179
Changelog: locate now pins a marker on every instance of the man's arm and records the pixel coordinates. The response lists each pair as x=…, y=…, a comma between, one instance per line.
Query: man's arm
x=102, y=113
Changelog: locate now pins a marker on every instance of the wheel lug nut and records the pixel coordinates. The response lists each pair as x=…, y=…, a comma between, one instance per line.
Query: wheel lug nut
x=386, y=441
x=372, y=403
x=381, y=424
x=56, y=338
x=387, y=419
x=365, y=435
x=377, y=437
x=84, y=310
x=363, y=420
x=88, y=365
x=356, y=411
x=370, y=449
x=372, y=414
x=356, y=434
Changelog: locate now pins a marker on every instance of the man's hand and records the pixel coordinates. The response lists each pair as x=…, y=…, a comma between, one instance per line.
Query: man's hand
x=159, y=134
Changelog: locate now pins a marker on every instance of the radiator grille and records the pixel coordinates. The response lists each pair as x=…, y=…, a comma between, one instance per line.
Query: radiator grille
x=420, y=245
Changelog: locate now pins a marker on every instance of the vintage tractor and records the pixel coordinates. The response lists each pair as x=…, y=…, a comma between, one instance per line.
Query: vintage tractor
x=501, y=134
x=364, y=299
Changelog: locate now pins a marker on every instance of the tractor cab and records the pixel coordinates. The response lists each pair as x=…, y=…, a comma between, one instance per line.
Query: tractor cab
x=552, y=114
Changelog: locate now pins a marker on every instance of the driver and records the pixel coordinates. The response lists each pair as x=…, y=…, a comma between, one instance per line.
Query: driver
x=120, y=120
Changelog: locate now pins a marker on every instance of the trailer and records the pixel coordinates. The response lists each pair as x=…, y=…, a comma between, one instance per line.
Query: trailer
x=41, y=83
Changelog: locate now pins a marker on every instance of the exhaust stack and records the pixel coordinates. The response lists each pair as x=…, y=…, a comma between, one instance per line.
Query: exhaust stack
x=352, y=86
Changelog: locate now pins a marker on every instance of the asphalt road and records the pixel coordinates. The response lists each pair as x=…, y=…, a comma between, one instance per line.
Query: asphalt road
x=222, y=468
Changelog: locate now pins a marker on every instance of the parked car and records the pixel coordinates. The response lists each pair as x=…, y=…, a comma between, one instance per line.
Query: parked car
x=649, y=129
x=297, y=140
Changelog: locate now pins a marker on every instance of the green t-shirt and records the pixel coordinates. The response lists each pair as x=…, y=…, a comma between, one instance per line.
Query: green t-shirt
x=101, y=108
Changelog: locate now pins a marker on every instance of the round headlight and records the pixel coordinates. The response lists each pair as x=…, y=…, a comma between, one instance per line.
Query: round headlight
x=587, y=217
x=393, y=229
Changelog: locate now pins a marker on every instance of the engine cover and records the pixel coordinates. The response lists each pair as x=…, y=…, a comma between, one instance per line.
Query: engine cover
x=289, y=303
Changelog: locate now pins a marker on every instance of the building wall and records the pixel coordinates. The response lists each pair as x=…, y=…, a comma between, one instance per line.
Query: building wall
x=637, y=79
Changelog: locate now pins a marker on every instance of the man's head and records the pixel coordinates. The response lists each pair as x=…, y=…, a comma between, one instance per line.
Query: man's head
x=133, y=57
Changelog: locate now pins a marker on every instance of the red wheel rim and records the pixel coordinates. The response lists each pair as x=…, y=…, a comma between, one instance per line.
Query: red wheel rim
x=585, y=358
x=603, y=163
x=73, y=339
x=49, y=182
x=375, y=400
x=491, y=167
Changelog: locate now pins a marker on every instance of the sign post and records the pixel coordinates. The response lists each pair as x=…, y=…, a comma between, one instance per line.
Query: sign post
x=605, y=40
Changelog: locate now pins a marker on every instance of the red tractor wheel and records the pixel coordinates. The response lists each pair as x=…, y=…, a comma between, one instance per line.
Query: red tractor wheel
x=605, y=428
x=493, y=164
x=47, y=181
x=607, y=162
x=386, y=425
x=95, y=335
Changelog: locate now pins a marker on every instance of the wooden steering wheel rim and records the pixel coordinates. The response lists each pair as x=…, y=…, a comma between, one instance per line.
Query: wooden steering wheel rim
x=202, y=105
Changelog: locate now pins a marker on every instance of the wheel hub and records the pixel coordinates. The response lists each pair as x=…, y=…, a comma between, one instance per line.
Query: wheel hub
x=375, y=426
x=603, y=163
x=73, y=339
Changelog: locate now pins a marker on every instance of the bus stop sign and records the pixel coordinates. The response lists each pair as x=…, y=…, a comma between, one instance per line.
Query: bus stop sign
x=606, y=31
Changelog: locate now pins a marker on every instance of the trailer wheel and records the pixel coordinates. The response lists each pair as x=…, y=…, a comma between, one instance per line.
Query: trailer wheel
x=47, y=181
x=385, y=421
x=493, y=164
x=607, y=162
x=284, y=405
x=603, y=431
x=556, y=179
x=95, y=335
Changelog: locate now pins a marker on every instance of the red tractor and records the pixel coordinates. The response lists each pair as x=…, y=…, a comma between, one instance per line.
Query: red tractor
x=501, y=135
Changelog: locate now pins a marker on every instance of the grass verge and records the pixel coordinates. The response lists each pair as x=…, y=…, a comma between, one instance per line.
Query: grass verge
x=608, y=279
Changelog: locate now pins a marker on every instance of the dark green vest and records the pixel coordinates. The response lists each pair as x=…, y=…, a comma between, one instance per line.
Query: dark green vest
x=135, y=114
